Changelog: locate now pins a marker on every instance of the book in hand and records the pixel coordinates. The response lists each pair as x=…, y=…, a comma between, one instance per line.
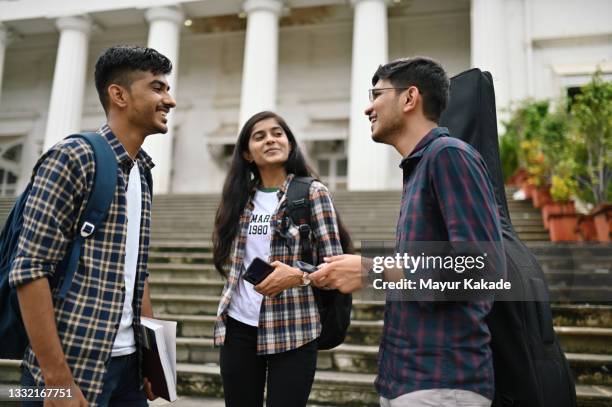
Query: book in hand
x=159, y=356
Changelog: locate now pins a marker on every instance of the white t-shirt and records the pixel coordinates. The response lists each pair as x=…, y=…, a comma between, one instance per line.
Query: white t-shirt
x=246, y=302
x=124, y=341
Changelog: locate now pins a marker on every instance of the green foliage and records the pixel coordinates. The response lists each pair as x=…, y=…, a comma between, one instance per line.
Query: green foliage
x=571, y=151
x=508, y=150
x=520, y=145
x=591, y=138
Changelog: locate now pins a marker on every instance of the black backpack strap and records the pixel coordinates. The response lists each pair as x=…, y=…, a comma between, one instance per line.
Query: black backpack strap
x=100, y=198
x=298, y=210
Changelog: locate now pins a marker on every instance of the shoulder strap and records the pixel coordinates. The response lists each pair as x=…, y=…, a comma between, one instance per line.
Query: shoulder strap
x=298, y=207
x=100, y=198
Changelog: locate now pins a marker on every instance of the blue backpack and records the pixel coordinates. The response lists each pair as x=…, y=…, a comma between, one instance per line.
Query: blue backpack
x=13, y=336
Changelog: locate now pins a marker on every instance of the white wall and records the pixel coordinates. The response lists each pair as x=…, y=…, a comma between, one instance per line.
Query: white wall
x=570, y=18
x=314, y=73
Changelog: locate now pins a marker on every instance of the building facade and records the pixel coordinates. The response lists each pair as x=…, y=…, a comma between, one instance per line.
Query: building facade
x=309, y=60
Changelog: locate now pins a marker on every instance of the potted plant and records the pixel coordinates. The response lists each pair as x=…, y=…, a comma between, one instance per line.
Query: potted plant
x=586, y=228
x=560, y=215
x=553, y=148
x=592, y=140
x=520, y=147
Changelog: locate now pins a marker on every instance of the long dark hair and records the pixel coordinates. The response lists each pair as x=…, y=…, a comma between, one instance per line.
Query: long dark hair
x=240, y=181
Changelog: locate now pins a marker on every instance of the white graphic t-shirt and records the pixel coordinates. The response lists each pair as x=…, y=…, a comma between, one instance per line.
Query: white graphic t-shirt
x=246, y=302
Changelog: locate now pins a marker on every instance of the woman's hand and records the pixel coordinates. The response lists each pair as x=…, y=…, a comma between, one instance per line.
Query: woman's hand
x=280, y=279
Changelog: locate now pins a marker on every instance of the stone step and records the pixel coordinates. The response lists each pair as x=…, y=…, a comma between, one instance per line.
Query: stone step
x=537, y=248
x=362, y=332
x=185, y=288
x=573, y=249
x=329, y=388
x=373, y=236
x=572, y=339
x=568, y=260
x=193, y=271
x=357, y=218
x=588, y=283
x=587, y=368
x=579, y=315
x=185, y=304
x=571, y=315
x=180, y=245
x=358, y=232
x=341, y=388
x=199, y=257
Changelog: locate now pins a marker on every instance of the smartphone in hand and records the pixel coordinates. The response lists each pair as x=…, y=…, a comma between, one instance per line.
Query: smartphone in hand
x=258, y=270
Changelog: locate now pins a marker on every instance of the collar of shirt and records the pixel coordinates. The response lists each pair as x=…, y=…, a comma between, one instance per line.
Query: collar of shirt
x=281, y=191
x=123, y=158
x=419, y=150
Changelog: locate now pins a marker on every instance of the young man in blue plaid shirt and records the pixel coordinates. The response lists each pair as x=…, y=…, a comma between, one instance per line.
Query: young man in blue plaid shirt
x=90, y=341
x=431, y=353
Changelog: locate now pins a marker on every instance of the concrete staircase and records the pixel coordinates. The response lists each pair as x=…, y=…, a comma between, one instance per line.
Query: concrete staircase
x=185, y=287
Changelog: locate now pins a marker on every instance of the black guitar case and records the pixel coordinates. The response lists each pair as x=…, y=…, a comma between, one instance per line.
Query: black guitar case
x=530, y=367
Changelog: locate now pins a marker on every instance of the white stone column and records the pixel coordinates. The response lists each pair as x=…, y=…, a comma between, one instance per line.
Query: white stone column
x=367, y=161
x=164, y=36
x=260, y=68
x=3, y=44
x=489, y=46
x=67, y=93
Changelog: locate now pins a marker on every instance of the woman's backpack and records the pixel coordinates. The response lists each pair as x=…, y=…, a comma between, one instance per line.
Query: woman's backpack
x=334, y=306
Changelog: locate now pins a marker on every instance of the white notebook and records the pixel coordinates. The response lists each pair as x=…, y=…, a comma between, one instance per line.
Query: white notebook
x=159, y=356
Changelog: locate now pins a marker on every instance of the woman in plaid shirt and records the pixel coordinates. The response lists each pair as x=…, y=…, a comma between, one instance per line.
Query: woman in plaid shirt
x=269, y=329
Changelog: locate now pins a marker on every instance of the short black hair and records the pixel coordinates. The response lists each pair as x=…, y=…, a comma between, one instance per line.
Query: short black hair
x=424, y=73
x=119, y=63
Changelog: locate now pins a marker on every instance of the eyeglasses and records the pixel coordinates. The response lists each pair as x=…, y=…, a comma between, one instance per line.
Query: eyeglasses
x=375, y=92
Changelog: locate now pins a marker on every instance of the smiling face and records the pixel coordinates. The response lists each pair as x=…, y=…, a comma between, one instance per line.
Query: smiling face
x=385, y=112
x=268, y=145
x=149, y=102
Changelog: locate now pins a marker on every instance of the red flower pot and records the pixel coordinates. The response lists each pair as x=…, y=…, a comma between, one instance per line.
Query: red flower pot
x=563, y=227
x=529, y=190
x=602, y=216
x=540, y=197
x=517, y=179
x=556, y=208
x=586, y=228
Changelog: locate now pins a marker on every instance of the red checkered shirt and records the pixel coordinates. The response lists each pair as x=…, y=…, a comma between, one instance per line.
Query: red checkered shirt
x=291, y=319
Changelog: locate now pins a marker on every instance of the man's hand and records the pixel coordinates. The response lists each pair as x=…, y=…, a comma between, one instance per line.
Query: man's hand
x=344, y=272
x=280, y=279
x=148, y=388
x=77, y=399
x=38, y=316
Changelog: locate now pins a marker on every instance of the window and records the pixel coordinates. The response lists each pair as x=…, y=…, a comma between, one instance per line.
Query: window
x=331, y=160
x=10, y=157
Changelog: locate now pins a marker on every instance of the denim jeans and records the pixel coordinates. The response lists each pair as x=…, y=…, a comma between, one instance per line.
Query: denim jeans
x=121, y=385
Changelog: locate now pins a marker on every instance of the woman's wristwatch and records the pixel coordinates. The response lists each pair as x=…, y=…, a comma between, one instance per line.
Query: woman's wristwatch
x=306, y=269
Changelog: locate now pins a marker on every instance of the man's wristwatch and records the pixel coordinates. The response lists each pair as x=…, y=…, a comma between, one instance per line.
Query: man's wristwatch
x=306, y=269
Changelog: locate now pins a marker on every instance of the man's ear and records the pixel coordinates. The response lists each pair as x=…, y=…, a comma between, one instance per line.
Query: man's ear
x=411, y=98
x=117, y=95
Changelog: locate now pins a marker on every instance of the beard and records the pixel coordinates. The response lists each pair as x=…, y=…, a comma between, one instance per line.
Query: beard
x=385, y=131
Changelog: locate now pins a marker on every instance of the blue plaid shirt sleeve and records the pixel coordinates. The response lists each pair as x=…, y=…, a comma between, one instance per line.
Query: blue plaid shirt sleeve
x=50, y=214
x=465, y=196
